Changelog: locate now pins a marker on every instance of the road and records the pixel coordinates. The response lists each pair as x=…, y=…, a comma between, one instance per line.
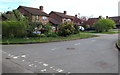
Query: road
x=92, y=55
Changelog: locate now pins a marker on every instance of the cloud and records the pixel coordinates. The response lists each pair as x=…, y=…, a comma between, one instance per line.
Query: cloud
x=84, y=7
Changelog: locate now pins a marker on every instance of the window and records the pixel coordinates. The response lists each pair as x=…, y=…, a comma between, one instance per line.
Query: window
x=69, y=20
x=64, y=19
x=44, y=17
x=36, y=17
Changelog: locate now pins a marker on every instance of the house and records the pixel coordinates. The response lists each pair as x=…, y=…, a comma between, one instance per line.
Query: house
x=91, y=21
x=6, y=15
x=57, y=17
x=34, y=14
x=76, y=20
x=116, y=19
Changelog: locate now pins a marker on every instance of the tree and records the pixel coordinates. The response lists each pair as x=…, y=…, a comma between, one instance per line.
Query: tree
x=104, y=25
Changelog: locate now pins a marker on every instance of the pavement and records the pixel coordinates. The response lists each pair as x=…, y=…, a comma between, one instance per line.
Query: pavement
x=92, y=55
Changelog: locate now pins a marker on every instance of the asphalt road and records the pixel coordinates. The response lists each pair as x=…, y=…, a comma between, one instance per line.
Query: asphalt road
x=93, y=55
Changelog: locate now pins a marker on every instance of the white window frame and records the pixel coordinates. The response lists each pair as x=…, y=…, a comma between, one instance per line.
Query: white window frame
x=69, y=20
x=44, y=17
x=64, y=19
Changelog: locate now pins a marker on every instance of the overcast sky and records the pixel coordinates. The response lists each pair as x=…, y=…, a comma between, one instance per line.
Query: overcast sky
x=87, y=8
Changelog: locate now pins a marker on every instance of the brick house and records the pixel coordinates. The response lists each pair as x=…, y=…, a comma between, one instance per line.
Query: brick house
x=91, y=21
x=116, y=19
x=34, y=14
x=6, y=15
x=58, y=17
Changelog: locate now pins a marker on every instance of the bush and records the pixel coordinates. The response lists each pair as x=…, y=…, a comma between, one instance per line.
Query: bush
x=77, y=30
x=66, y=29
x=13, y=29
x=104, y=25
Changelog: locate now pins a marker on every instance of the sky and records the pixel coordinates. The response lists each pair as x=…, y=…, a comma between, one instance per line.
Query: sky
x=89, y=8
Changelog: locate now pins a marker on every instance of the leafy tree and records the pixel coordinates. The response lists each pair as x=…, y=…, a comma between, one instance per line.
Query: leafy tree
x=104, y=25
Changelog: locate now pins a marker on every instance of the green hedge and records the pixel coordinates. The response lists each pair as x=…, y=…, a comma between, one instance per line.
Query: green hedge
x=13, y=29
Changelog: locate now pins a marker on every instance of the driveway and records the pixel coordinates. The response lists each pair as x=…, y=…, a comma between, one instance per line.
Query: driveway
x=92, y=55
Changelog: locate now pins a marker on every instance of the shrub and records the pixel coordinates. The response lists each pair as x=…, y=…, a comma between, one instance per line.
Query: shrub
x=13, y=29
x=104, y=25
x=77, y=30
x=66, y=29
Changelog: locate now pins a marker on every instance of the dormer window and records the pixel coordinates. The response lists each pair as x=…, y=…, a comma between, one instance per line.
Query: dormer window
x=44, y=17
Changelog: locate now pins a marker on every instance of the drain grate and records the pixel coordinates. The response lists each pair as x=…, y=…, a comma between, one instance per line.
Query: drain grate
x=70, y=48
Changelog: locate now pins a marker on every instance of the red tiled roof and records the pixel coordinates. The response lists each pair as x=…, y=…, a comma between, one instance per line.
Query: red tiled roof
x=54, y=21
x=6, y=16
x=34, y=11
x=62, y=15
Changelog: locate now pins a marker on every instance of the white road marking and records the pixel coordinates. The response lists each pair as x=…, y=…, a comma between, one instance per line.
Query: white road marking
x=23, y=60
x=23, y=56
x=35, y=61
x=15, y=57
x=51, y=67
x=12, y=56
x=77, y=44
x=40, y=62
x=53, y=49
x=68, y=72
x=60, y=71
x=30, y=65
x=35, y=66
x=44, y=70
x=45, y=64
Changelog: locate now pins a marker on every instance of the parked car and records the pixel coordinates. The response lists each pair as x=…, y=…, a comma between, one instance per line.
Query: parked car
x=53, y=28
x=87, y=29
x=81, y=28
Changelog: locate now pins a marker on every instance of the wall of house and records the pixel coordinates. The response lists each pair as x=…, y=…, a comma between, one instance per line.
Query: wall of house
x=40, y=19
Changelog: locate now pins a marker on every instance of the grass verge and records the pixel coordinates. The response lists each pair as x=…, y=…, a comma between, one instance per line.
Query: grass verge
x=45, y=39
x=110, y=32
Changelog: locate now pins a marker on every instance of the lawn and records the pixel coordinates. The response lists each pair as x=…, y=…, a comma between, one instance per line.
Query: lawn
x=45, y=39
x=112, y=31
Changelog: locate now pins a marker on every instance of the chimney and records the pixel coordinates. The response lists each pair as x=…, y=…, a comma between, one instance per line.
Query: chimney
x=100, y=17
x=76, y=16
x=107, y=17
x=41, y=8
x=65, y=12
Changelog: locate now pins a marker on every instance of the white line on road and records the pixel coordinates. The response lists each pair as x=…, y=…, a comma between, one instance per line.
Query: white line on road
x=45, y=64
x=77, y=44
x=23, y=56
x=15, y=57
x=53, y=49
x=93, y=40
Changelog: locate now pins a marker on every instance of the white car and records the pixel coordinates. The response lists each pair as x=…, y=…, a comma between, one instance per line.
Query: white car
x=81, y=28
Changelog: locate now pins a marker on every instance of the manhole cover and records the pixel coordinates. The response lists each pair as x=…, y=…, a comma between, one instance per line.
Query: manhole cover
x=7, y=58
x=70, y=48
